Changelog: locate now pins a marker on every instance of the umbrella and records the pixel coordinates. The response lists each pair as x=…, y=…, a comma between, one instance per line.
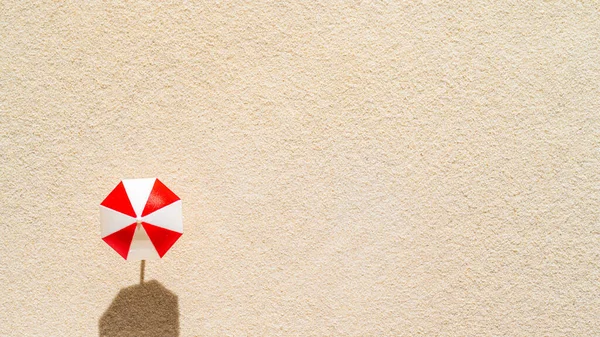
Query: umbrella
x=141, y=219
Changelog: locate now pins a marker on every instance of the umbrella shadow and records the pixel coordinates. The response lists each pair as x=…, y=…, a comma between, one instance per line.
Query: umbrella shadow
x=145, y=309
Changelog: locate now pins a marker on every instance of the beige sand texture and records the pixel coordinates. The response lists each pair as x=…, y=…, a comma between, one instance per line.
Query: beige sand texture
x=348, y=168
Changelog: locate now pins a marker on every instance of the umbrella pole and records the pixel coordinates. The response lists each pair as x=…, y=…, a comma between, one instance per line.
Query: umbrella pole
x=142, y=267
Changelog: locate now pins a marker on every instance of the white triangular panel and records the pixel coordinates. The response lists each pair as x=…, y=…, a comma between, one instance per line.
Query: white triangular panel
x=112, y=221
x=138, y=191
x=168, y=217
x=141, y=246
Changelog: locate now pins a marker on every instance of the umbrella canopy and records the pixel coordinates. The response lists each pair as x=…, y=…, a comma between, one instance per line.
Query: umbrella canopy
x=141, y=219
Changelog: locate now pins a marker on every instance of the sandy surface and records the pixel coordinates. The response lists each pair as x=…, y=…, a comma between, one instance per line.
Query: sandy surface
x=346, y=168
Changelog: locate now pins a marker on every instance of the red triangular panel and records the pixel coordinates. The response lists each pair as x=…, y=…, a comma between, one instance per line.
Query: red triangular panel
x=118, y=201
x=120, y=240
x=161, y=238
x=160, y=197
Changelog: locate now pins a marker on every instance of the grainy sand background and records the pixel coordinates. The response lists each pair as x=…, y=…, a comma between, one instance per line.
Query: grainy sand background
x=348, y=168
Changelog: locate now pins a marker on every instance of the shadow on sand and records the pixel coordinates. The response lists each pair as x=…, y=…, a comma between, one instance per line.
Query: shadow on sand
x=146, y=309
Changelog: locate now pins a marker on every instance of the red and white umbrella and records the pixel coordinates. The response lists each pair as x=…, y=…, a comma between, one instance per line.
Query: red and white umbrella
x=141, y=219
